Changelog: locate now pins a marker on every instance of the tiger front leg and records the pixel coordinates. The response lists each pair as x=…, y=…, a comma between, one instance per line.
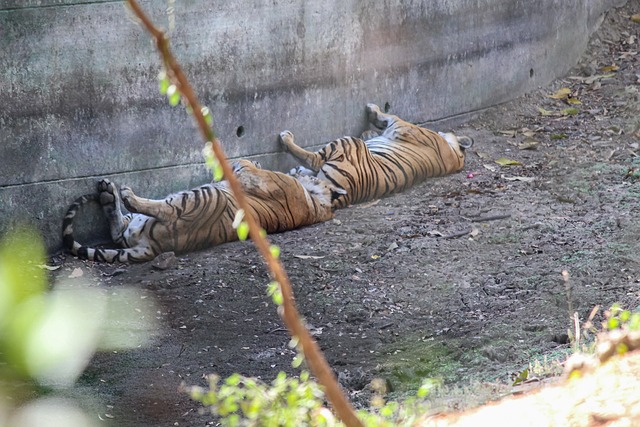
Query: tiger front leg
x=112, y=208
x=313, y=161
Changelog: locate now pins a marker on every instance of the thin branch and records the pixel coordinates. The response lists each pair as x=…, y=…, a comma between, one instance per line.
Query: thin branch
x=316, y=361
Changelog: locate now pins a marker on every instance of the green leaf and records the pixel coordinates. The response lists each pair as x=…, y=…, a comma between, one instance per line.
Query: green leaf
x=163, y=82
x=233, y=379
x=208, y=118
x=571, y=111
x=272, y=287
x=243, y=231
x=297, y=361
x=275, y=251
x=522, y=376
x=277, y=298
x=218, y=172
x=174, y=95
x=625, y=315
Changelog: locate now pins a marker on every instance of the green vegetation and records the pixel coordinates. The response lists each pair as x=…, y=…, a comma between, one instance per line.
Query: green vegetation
x=244, y=401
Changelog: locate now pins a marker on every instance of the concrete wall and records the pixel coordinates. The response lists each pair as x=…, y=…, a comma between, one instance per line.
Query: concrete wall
x=80, y=99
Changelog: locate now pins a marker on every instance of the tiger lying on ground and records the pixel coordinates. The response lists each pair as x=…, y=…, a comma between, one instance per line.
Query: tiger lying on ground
x=202, y=217
x=402, y=156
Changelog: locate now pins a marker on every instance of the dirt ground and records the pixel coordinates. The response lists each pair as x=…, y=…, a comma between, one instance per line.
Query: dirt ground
x=459, y=278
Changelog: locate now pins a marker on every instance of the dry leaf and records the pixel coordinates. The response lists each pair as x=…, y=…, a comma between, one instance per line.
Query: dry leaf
x=434, y=233
x=490, y=167
x=529, y=145
x=483, y=155
x=561, y=93
x=474, y=232
x=547, y=112
x=636, y=18
x=503, y=161
x=573, y=101
x=609, y=68
x=510, y=133
x=308, y=256
x=627, y=54
x=590, y=80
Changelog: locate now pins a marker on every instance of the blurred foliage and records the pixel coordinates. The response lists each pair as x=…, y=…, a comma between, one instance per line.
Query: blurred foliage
x=48, y=337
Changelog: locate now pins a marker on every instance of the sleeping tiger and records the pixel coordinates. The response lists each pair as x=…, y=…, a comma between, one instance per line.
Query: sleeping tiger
x=202, y=217
x=403, y=155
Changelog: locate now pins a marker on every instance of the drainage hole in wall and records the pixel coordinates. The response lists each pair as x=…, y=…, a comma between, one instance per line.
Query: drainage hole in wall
x=531, y=72
x=240, y=131
x=387, y=107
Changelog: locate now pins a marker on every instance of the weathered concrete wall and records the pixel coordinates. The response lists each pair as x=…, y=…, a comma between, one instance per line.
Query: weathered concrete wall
x=80, y=99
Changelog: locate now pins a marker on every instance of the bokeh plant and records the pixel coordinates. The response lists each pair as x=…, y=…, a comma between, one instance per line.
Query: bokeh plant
x=47, y=337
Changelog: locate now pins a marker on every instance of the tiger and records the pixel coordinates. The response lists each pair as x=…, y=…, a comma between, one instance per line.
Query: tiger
x=202, y=217
x=379, y=164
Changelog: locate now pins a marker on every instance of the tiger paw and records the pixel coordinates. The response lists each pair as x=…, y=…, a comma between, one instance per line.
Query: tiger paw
x=286, y=139
x=301, y=171
x=128, y=199
x=107, y=191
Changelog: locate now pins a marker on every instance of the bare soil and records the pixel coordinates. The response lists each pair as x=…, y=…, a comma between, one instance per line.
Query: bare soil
x=459, y=278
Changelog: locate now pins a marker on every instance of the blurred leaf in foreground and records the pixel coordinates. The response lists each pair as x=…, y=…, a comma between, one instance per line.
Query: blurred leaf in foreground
x=48, y=338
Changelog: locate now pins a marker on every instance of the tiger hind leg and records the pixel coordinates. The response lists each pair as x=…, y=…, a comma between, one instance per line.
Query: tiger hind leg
x=159, y=209
x=313, y=161
x=112, y=208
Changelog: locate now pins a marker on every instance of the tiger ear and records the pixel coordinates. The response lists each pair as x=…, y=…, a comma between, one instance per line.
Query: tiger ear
x=465, y=142
x=336, y=192
x=339, y=190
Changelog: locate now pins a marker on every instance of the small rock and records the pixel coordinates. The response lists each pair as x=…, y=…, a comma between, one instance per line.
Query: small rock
x=164, y=261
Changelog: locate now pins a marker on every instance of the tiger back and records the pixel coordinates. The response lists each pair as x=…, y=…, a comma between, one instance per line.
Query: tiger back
x=402, y=155
x=202, y=217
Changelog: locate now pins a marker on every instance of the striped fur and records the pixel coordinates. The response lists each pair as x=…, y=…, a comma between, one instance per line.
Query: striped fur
x=202, y=217
x=401, y=156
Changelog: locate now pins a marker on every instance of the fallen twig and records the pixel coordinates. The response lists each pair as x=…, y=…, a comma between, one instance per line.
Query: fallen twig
x=316, y=361
x=458, y=234
x=488, y=218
